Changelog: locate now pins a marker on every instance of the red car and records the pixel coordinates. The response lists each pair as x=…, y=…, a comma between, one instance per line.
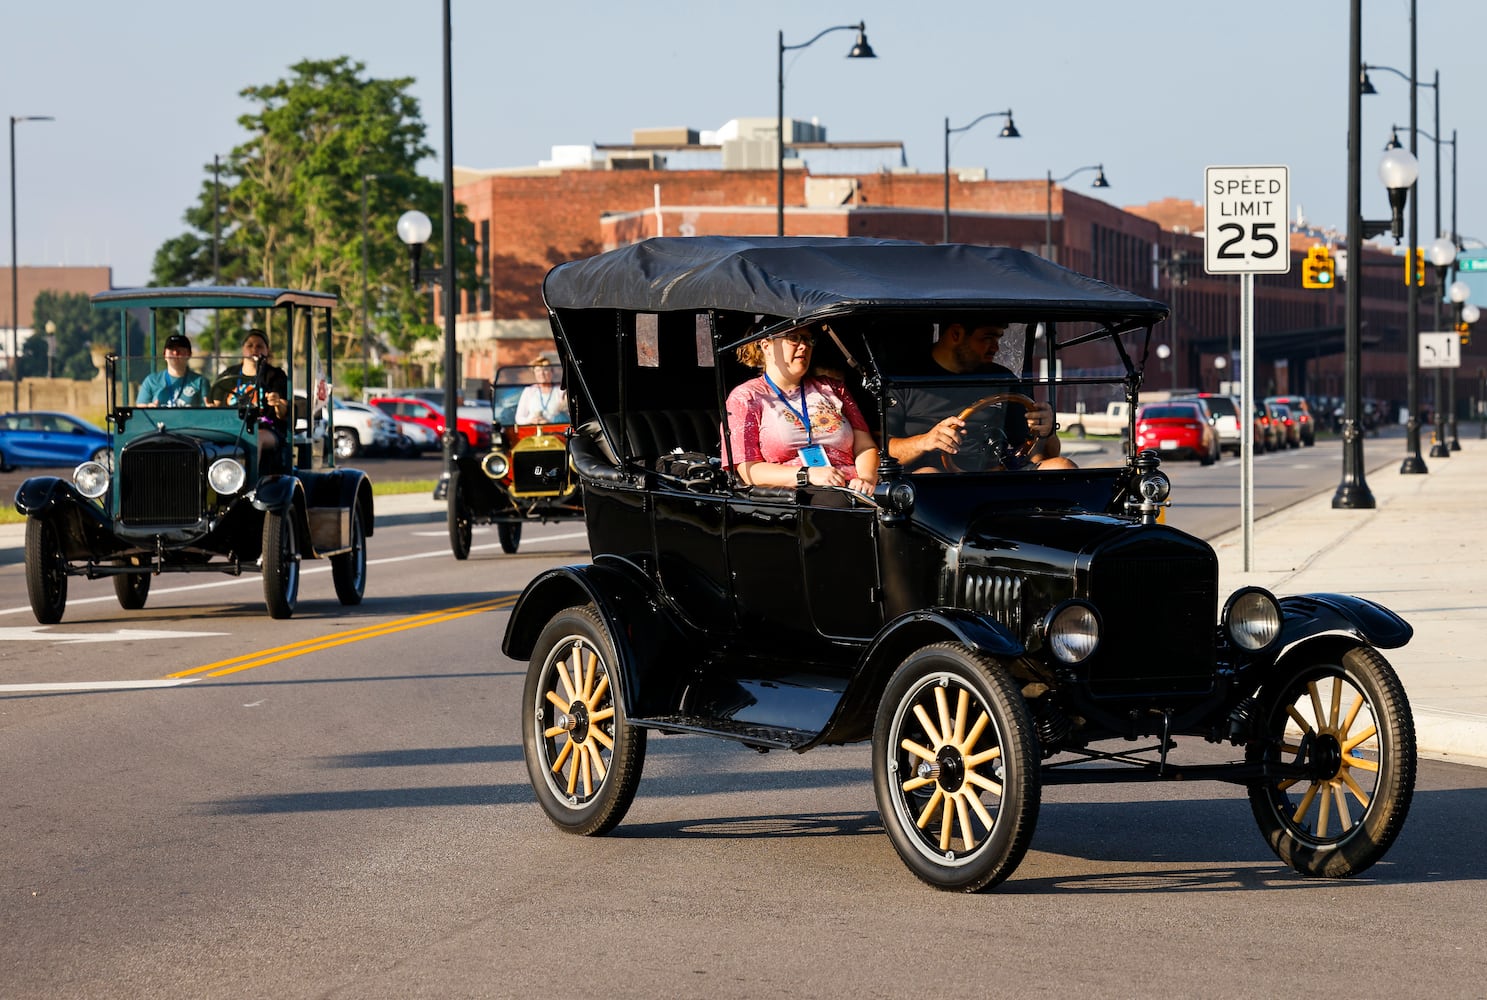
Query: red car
x=1177, y=428
x=408, y=410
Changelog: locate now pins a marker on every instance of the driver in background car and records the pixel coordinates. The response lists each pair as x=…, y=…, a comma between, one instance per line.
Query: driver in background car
x=792, y=426
x=925, y=425
x=542, y=402
x=176, y=384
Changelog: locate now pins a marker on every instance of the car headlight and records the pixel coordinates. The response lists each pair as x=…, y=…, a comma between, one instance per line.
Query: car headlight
x=496, y=465
x=226, y=476
x=91, y=479
x=1252, y=618
x=1072, y=631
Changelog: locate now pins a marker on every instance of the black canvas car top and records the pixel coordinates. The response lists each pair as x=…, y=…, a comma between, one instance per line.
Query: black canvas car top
x=810, y=277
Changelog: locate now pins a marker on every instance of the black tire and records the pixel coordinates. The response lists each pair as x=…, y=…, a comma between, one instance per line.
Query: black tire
x=1207, y=457
x=4, y=465
x=584, y=760
x=1372, y=780
x=132, y=590
x=510, y=536
x=348, y=445
x=461, y=525
x=936, y=701
x=280, y=565
x=1079, y=432
x=46, y=572
x=348, y=571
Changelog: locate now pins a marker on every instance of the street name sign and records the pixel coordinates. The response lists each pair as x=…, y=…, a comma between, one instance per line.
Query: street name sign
x=1245, y=228
x=1440, y=350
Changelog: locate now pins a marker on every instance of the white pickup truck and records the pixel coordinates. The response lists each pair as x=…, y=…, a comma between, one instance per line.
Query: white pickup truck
x=1114, y=420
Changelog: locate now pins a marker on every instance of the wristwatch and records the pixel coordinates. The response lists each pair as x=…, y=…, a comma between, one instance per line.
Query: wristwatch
x=803, y=477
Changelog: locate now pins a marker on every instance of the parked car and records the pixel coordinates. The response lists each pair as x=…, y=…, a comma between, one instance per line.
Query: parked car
x=46, y=439
x=416, y=439
x=987, y=632
x=1223, y=413
x=1179, y=428
x=1287, y=430
x=191, y=489
x=1301, y=413
x=1267, y=435
x=362, y=428
x=525, y=477
x=412, y=410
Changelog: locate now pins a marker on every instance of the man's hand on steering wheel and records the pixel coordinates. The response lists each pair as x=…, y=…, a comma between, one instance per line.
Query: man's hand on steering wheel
x=1039, y=421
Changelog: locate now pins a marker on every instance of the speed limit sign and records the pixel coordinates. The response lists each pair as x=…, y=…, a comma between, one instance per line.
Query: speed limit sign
x=1245, y=228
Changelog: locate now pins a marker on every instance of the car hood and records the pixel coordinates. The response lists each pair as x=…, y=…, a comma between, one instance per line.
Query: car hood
x=1038, y=540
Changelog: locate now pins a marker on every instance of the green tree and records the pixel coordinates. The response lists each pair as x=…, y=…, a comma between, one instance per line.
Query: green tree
x=288, y=201
x=79, y=326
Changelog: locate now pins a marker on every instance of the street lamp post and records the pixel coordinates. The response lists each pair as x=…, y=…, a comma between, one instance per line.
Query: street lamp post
x=1009, y=131
x=15, y=293
x=1459, y=292
x=860, y=50
x=1442, y=254
x=451, y=356
x=1100, y=182
x=366, y=295
x=1398, y=171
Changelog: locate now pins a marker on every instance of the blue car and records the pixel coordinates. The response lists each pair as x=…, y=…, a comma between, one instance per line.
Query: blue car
x=47, y=439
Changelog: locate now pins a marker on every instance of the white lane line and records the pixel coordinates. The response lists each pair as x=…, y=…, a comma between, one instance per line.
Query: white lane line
x=305, y=570
x=94, y=685
x=32, y=633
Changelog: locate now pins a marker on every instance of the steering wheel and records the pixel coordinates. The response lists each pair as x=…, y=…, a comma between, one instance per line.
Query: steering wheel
x=1022, y=451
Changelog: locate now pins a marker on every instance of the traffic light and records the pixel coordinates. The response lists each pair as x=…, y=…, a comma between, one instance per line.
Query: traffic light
x=1414, y=263
x=1465, y=329
x=1318, y=271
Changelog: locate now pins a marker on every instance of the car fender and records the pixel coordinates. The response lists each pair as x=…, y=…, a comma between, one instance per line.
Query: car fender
x=80, y=522
x=1310, y=619
x=346, y=489
x=853, y=719
x=284, y=495
x=646, y=637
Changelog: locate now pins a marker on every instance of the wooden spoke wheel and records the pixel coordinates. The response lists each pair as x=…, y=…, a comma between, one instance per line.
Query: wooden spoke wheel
x=584, y=760
x=955, y=768
x=1350, y=724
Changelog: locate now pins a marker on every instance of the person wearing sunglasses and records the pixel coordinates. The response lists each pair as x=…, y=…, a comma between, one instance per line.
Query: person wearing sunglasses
x=791, y=426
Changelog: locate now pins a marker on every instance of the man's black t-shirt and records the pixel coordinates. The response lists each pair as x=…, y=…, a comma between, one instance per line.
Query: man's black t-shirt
x=233, y=388
x=917, y=409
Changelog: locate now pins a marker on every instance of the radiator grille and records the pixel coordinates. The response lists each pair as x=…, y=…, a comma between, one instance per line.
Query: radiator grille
x=539, y=472
x=996, y=595
x=1158, y=611
x=161, y=483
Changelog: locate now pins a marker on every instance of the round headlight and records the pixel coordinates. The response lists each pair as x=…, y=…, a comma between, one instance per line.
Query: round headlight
x=91, y=479
x=1155, y=487
x=1073, y=632
x=1252, y=619
x=496, y=465
x=226, y=476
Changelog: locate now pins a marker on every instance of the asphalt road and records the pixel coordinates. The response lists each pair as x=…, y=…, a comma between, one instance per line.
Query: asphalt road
x=336, y=806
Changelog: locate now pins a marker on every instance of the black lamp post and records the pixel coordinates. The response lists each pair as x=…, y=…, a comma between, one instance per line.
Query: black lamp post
x=1459, y=292
x=860, y=50
x=15, y=294
x=1100, y=182
x=1009, y=131
x=366, y=295
x=1413, y=464
x=1398, y=171
x=1442, y=254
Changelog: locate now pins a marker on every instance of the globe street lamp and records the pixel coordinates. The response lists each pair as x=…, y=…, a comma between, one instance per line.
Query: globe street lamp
x=1163, y=353
x=1100, y=182
x=1442, y=254
x=1009, y=131
x=1398, y=171
x=1459, y=292
x=15, y=295
x=860, y=50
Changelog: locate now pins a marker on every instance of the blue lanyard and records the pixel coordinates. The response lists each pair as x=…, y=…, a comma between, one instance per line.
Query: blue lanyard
x=805, y=417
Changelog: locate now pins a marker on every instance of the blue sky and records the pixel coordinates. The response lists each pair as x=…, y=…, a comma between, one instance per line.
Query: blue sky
x=144, y=93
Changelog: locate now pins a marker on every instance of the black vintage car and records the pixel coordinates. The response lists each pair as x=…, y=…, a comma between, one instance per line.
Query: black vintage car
x=526, y=475
x=989, y=632
x=186, y=489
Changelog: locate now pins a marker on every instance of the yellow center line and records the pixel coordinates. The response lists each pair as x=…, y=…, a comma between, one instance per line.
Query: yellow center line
x=263, y=657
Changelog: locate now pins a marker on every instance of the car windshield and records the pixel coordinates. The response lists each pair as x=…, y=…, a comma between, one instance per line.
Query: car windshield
x=538, y=386
x=1168, y=412
x=182, y=381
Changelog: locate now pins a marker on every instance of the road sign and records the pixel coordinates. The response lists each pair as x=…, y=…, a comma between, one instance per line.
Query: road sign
x=1440, y=349
x=1466, y=263
x=1245, y=228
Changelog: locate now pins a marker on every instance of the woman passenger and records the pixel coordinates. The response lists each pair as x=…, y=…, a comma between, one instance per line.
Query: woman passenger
x=789, y=427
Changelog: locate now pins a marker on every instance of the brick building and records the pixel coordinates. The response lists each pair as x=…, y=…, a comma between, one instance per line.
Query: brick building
x=527, y=220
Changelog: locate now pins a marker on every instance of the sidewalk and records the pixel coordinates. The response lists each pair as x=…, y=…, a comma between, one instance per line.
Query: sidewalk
x=1417, y=552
